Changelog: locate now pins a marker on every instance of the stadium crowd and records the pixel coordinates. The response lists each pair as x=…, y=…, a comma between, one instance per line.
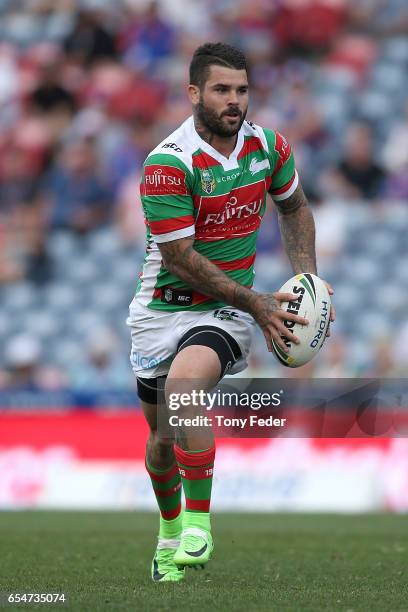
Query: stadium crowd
x=88, y=88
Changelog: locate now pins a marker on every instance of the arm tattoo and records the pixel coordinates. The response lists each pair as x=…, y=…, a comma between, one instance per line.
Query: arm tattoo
x=182, y=260
x=298, y=232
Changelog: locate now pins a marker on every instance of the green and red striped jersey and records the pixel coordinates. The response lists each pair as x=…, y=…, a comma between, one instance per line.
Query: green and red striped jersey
x=190, y=189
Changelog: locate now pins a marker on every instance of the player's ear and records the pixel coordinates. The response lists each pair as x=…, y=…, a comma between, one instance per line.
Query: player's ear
x=194, y=93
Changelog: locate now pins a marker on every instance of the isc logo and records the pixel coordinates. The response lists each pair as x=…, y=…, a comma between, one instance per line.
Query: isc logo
x=172, y=145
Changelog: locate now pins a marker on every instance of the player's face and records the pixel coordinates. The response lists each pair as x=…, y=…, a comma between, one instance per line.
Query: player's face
x=222, y=103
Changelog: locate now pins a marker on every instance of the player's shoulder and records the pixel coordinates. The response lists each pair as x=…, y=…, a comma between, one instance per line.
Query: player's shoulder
x=175, y=150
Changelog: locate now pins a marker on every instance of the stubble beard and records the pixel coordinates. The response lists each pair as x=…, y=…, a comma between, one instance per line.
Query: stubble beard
x=209, y=120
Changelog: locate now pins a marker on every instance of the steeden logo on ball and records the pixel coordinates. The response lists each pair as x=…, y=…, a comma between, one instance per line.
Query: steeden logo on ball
x=313, y=303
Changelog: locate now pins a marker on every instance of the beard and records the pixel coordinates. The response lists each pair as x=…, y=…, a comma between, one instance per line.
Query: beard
x=213, y=122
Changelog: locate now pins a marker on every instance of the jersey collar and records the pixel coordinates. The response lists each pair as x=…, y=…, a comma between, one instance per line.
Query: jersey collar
x=228, y=163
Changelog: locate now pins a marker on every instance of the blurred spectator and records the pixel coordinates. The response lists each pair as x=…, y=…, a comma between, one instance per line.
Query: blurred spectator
x=361, y=175
x=24, y=370
x=129, y=219
x=89, y=41
x=380, y=17
x=51, y=95
x=331, y=227
x=396, y=185
x=22, y=215
x=148, y=39
x=17, y=182
x=127, y=157
x=104, y=366
x=395, y=157
x=51, y=102
x=333, y=362
x=79, y=198
x=383, y=362
x=309, y=25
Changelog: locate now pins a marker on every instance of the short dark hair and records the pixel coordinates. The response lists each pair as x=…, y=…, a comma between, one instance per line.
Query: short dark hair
x=210, y=54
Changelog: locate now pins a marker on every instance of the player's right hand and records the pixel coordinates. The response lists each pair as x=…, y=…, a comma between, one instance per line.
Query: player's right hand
x=267, y=312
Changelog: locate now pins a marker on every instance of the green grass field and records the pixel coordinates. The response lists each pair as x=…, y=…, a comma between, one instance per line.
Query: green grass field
x=261, y=562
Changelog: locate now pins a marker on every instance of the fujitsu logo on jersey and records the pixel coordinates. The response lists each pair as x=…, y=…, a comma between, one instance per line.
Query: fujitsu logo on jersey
x=163, y=180
x=237, y=213
x=234, y=211
x=158, y=178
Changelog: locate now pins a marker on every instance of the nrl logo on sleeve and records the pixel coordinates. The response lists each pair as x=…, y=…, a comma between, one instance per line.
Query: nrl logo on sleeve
x=207, y=181
x=168, y=295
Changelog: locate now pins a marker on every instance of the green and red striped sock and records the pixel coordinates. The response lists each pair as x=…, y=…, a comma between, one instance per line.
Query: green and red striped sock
x=196, y=471
x=167, y=488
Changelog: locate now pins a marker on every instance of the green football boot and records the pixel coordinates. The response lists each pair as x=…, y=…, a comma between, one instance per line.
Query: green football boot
x=196, y=546
x=163, y=567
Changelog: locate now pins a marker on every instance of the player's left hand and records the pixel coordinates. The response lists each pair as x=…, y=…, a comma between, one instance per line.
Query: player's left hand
x=332, y=308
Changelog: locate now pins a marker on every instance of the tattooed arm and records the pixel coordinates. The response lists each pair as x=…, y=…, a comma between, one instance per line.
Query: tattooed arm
x=298, y=231
x=182, y=260
x=298, y=235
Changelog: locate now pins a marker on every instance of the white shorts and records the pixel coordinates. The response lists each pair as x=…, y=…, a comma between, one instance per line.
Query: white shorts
x=157, y=333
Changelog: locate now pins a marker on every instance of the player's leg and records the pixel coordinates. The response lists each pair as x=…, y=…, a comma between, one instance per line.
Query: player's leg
x=166, y=482
x=205, y=354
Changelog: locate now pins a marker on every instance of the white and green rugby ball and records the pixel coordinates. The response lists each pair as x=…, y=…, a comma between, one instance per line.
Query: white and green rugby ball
x=313, y=303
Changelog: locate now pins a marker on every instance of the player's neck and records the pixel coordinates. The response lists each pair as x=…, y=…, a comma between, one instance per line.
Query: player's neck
x=224, y=146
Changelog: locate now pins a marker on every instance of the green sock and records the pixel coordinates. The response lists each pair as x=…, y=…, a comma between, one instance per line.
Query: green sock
x=196, y=469
x=171, y=529
x=197, y=519
x=167, y=488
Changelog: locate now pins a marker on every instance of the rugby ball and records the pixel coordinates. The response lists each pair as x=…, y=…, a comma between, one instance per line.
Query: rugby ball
x=313, y=303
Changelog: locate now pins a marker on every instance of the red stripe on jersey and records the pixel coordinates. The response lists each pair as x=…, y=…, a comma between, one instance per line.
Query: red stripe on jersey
x=283, y=149
x=237, y=264
x=250, y=146
x=200, y=298
x=200, y=505
x=161, y=180
x=170, y=225
x=203, y=161
x=284, y=188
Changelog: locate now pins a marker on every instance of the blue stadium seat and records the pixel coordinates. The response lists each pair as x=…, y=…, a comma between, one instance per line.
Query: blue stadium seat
x=19, y=296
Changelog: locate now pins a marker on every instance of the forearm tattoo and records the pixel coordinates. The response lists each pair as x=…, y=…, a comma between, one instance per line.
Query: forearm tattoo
x=298, y=232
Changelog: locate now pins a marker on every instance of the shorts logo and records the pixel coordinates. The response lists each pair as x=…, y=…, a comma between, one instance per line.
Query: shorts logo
x=145, y=362
x=207, y=181
x=225, y=315
x=228, y=366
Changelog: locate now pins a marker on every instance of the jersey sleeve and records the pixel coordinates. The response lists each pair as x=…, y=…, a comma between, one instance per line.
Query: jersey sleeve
x=165, y=191
x=284, y=177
